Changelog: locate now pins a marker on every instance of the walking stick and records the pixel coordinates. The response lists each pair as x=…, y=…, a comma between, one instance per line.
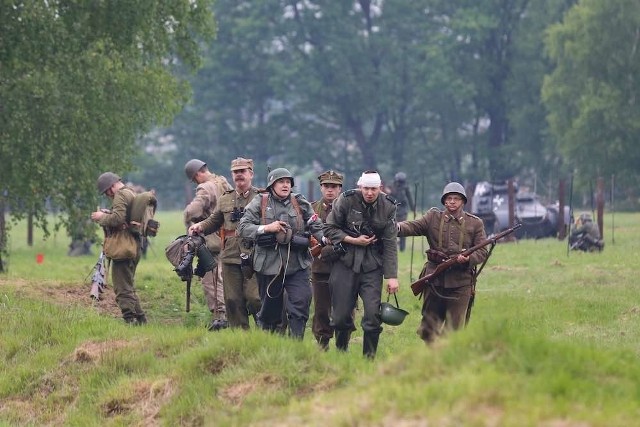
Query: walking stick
x=570, y=214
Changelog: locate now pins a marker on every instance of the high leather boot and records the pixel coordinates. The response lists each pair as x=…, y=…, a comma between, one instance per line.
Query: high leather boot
x=342, y=340
x=323, y=342
x=370, y=344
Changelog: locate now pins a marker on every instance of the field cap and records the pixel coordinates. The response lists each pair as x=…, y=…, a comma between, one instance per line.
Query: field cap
x=241, y=163
x=331, y=177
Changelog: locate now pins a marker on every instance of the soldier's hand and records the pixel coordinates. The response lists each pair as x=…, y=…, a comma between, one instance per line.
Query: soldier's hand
x=195, y=229
x=461, y=259
x=275, y=227
x=392, y=286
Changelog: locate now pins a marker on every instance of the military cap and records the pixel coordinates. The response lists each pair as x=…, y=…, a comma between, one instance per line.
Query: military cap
x=241, y=163
x=331, y=177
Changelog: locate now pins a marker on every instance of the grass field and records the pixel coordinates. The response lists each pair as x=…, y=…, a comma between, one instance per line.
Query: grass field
x=554, y=340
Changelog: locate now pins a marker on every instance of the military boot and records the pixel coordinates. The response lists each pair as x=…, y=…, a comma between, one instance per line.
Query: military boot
x=296, y=328
x=370, y=344
x=323, y=342
x=342, y=340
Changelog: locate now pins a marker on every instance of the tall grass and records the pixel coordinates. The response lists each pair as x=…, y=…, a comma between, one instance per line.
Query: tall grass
x=553, y=340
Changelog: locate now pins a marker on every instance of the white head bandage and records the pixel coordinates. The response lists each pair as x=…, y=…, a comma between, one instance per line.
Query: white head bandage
x=370, y=180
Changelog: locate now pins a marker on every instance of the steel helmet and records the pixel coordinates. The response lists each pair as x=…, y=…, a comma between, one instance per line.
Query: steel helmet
x=106, y=180
x=192, y=167
x=453, y=187
x=278, y=173
x=584, y=217
x=401, y=176
x=392, y=315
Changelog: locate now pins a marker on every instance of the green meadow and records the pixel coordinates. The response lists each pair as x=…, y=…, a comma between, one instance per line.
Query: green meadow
x=554, y=340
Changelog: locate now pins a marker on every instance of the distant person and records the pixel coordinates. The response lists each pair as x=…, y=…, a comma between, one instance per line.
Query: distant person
x=363, y=222
x=210, y=188
x=116, y=225
x=241, y=295
x=401, y=192
x=585, y=235
x=449, y=233
x=280, y=222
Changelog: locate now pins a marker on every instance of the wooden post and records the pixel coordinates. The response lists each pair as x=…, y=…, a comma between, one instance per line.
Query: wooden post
x=562, y=230
x=512, y=208
x=30, y=229
x=600, y=205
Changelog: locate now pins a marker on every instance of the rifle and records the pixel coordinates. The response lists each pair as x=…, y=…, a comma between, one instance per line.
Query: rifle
x=418, y=286
x=99, y=278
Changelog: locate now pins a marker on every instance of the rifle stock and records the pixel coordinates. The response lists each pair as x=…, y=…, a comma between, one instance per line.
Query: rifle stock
x=418, y=286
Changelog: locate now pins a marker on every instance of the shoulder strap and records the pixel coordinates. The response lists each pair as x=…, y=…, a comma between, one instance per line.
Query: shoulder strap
x=263, y=206
x=296, y=206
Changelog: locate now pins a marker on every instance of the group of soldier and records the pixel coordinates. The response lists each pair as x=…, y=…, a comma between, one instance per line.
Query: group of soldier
x=272, y=243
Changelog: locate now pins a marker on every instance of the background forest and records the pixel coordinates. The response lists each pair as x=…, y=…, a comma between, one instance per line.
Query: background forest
x=467, y=90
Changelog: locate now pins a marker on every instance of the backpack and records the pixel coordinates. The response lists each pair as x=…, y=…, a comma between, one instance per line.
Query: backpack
x=143, y=209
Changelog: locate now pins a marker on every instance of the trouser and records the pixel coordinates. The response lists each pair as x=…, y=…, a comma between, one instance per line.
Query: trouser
x=345, y=286
x=402, y=241
x=122, y=276
x=298, y=300
x=443, y=308
x=321, y=326
x=213, y=288
x=241, y=296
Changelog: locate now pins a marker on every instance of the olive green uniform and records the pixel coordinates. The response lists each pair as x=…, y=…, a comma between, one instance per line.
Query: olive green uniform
x=447, y=297
x=123, y=271
x=202, y=205
x=320, y=272
x=360, y=271
x=241, y=293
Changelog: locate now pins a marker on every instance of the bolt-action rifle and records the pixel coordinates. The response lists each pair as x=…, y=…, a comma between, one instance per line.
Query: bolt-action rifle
x=418, y=286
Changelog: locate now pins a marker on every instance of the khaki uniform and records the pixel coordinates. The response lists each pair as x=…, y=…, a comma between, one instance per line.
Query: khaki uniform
x=447, y=298
x=360, y=271
x=241, y=293
x=202, y=205
x=321, y=270
x=123, y=271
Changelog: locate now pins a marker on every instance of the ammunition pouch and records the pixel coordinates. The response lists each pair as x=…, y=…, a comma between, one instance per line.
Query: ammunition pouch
x=266, y=239
x=246, y=265
x=436, y=256
x=331, y=253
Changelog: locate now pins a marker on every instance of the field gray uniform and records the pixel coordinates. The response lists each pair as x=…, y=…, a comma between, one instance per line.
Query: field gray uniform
x=360, y=271
x=281, y=267
x=447, y=298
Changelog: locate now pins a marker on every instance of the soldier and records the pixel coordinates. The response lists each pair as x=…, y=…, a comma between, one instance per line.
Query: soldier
x=401, y=192
x=330, y=187
x=585, y=235
x=210, y=188
x=362, y=221
x=123, y=270
x=240, y=286
x=280, y=222
x=449, y=233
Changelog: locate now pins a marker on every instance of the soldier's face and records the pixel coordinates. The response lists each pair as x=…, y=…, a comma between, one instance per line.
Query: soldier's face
x=330, y=191
x=242, y=178
x=282, y=187
x=370, y=194
x=453, y=202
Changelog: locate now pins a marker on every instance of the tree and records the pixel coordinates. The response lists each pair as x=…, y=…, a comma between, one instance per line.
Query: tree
x=593, y=93
x=80, y=82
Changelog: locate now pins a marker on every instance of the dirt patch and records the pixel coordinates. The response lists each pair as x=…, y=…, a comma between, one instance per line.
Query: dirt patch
x=67, y=294
x=235, y=394
x=93, y=352
x=143, y=397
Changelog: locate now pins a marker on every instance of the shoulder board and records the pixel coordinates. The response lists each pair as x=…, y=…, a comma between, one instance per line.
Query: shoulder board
x=299, y=196
x=391, y=199
x=229, y=191
x=349, y=193
x=472, y=215
x=434, y=209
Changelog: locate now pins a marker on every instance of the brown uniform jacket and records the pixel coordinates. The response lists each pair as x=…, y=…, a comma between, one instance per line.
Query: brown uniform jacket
x=318, y=265
x=450, y=236
x=203, y=205
x=220, y=219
